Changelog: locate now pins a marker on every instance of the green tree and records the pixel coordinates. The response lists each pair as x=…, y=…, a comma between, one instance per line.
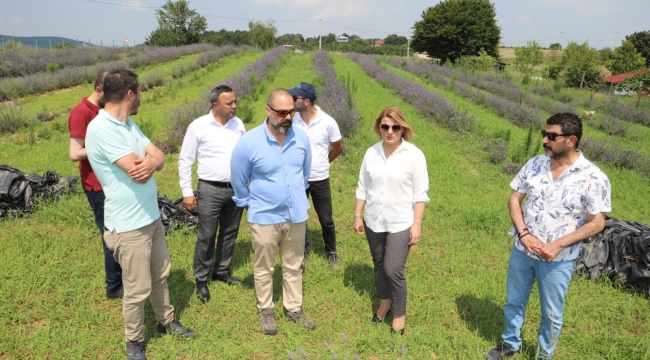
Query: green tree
x=455, y=28
x=529, y=56
x=579, y=65
x=225, y=37
x=605, y=54
x=641, y=41
x=394, y=39
x=555, y=46
x=639, y=83
x=177, y=25
x=262, y=34
x=625, y=58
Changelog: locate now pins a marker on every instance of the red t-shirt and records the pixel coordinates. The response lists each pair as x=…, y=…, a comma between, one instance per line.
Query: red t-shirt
x=78, y=121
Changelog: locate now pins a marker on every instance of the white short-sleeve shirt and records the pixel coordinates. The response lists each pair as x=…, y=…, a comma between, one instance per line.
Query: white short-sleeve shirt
x=322, y=131
x=391, y=187
x=555, y=208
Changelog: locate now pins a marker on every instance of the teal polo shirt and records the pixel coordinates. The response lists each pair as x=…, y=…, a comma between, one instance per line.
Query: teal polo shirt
x=128, y=205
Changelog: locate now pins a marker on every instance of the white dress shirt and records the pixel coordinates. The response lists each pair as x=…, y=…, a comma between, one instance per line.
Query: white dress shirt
x=322, y=131
x=392, y=186
x=213, y=143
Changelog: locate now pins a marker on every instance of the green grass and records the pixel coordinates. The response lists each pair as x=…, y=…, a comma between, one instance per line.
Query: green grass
x=52, y=294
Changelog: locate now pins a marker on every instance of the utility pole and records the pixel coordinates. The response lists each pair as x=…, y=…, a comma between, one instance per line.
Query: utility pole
x=616, y=35
x=408, y=47
x=561, y=33
x=320, y=33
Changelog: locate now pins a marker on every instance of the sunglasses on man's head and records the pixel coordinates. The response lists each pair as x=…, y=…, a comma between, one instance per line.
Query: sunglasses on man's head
x=395, y=127
x=551, y=135
x=284, y=113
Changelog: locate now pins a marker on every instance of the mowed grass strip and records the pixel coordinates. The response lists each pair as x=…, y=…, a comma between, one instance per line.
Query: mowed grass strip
x=457, y=274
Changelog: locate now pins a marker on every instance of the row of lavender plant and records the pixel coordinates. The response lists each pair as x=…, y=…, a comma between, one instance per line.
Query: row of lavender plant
x=14, y=63
x=430, y=105
x=519, y=114
x=159, y=77
x=612, y=107
x=243, y=84
x=504, y=88
x=11, y=88
x=334, y=97
x=612, y=153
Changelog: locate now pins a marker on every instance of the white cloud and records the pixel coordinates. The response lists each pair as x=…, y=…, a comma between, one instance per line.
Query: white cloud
x=524, y=19
x=346, y=10
x=18, y=20
x=134, y=5
x=269, y=2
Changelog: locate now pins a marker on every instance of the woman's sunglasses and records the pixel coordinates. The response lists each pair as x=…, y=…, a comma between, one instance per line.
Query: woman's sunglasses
x=551, y=135
x=395, y=127
x=284, y=113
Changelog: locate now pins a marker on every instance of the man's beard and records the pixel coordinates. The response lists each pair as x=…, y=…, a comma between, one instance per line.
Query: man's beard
x=281, y=127
x=554, y=154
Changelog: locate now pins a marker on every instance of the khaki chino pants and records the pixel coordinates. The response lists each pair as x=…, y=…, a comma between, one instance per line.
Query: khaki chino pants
x=266, y=239
x=145, y=262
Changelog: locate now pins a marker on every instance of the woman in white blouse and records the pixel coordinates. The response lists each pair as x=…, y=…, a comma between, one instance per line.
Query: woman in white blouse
x=393, y=185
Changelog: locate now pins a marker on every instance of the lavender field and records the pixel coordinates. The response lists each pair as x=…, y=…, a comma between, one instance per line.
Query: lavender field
x=475, y=130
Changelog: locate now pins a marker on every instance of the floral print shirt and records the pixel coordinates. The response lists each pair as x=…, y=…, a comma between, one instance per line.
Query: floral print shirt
x=555, y=208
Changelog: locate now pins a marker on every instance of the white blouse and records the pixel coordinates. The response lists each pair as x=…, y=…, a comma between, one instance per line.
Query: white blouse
x=391, y=187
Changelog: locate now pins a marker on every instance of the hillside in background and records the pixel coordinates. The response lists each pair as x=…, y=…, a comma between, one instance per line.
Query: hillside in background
x=44, y=41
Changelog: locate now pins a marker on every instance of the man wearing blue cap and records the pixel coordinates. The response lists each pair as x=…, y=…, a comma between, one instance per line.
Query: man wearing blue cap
x=326, y=145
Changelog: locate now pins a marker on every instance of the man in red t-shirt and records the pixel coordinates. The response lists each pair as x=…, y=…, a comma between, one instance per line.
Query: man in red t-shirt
x=78, y=121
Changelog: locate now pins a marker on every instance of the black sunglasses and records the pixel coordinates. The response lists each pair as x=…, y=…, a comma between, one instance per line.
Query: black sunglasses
x=395, y=127
x=552, y=136
x=284, y=113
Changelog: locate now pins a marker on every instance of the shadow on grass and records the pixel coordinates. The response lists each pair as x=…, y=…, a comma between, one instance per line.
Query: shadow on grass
x=485, y=317
x=249, y=281
x=482, y=316
x=242, y=256
x=361, y=278
x=181, y=290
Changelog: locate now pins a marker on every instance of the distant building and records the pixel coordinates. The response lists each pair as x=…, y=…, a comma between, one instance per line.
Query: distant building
x=613, y=80
x=342, y=39
x=379, y=42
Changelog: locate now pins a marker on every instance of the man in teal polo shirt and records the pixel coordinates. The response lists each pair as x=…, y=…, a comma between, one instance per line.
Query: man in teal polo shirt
x=124, y=161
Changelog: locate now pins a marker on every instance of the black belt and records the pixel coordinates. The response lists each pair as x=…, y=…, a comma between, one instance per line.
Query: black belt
x=218, y=183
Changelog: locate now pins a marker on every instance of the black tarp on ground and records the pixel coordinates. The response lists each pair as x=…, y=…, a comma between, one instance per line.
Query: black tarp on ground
x=174, y=215
x=621, y=252
x=20, y=192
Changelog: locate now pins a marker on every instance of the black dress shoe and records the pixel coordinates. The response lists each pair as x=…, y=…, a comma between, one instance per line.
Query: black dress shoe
x=377, y=319
x=400, y=331
x=228, y=279
x=202, y=291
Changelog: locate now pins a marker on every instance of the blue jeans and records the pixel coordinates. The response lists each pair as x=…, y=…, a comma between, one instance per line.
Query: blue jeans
x=113, y=269
x=552, y=282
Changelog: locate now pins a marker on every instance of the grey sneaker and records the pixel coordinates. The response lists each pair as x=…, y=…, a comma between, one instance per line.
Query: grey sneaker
x=334, y=261
x=267, y=320
x=300, y=318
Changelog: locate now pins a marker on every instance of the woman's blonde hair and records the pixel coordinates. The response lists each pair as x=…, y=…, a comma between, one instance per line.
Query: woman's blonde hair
x=397, y=115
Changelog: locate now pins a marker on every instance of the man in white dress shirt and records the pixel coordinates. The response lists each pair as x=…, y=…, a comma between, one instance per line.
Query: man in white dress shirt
x=212, y=138
x=326, y=145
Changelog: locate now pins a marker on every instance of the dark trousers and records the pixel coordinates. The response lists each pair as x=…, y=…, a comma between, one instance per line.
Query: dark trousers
x=113, y=269
x=389, y=252
x=216, y=209
x=321, y=196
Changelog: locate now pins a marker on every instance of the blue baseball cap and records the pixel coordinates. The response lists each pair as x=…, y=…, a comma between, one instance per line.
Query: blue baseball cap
x=305, y=90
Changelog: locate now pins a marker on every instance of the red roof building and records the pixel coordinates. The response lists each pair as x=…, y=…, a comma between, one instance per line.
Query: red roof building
x=379, y=42
x=615, y=79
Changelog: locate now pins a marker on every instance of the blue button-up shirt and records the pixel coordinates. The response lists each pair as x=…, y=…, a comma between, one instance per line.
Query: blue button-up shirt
x=277, y=176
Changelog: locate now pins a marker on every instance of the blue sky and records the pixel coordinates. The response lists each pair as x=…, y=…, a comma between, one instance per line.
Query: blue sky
x=602, y=22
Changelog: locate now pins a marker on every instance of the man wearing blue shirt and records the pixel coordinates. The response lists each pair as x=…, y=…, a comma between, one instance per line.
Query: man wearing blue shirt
x=275, y=159
x=124, y=161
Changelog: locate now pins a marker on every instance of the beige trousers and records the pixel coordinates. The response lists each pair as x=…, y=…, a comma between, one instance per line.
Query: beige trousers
x=145, y=263
x=266, y=239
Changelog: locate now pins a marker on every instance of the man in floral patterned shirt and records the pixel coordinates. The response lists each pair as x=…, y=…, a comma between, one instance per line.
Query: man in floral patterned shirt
x=568, y=197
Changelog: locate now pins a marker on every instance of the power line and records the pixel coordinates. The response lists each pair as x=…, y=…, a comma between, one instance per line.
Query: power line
x=235, y=18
